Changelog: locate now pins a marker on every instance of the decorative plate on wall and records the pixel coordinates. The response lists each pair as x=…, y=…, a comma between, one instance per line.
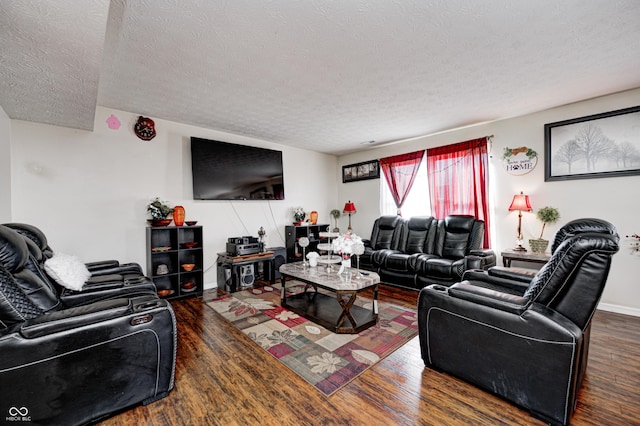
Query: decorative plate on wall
x=145, y=128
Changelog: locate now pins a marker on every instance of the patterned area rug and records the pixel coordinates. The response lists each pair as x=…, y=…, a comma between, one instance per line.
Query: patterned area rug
x=325, y=359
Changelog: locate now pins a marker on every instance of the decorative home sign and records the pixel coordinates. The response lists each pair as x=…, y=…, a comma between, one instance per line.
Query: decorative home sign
x=595, y=146
x=361, y=171
x=519, y=161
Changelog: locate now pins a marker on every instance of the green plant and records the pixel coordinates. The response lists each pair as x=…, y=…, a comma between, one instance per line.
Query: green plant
x=547, y=215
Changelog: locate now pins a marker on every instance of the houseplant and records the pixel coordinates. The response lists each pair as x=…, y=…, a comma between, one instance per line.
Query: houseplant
x=545, y=215
x=335, y=213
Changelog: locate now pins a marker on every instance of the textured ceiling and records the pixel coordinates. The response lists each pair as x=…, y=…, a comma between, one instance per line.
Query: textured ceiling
x=321, y=75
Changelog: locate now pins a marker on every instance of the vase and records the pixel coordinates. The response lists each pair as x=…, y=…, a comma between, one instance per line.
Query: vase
x=345, y=266
x=313, y=217
x=178, y=215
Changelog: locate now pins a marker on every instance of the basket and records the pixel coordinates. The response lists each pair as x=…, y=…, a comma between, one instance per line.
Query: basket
x=538, y=245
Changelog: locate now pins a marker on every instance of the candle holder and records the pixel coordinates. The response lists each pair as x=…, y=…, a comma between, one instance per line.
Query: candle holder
x=304, y=243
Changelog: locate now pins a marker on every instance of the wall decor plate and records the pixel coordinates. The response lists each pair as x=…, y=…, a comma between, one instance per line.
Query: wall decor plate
x=145, y=128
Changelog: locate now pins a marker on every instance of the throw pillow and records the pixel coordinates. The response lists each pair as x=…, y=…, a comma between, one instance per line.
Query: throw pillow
x=67, y=270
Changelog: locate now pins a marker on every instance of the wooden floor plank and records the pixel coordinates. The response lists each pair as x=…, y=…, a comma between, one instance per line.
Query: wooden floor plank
x=223, y=378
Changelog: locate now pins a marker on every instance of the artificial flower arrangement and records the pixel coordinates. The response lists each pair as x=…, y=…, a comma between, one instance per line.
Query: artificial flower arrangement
x=299, y=214
x=345, y=245
x=159, y=209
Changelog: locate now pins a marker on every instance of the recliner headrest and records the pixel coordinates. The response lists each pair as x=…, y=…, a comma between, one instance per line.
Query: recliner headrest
x=459, y=223
x=14, y=252
x=419, y=222
x=581, y=226
x=31, y=232
x=388, y=222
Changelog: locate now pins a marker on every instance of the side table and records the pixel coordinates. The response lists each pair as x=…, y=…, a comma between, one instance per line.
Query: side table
x=523, y=256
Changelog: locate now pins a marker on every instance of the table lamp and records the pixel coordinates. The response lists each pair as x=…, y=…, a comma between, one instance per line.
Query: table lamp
x=349, y=208
x=520, y=203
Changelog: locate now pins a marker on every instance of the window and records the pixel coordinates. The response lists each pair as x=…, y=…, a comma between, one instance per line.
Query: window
x=417, y=202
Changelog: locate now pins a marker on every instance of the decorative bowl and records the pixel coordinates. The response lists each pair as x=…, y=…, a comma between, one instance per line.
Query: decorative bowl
x=165, y=292
x=188, y=266
x=159, y=222
x=191, y=222
x=191, y=244
x=188, y=285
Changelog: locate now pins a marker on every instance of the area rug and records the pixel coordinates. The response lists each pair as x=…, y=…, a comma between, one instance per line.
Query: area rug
x=326, y=360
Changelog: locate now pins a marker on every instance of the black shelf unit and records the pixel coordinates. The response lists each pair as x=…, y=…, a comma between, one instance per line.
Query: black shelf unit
x=294, y=233
x=166, y=246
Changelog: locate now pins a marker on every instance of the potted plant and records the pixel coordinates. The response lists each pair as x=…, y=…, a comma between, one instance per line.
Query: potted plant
x=159, y=210
x=335, y=213
x=545, y=215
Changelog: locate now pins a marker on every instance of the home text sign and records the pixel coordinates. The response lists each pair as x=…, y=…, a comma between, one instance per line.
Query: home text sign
x=519, y=161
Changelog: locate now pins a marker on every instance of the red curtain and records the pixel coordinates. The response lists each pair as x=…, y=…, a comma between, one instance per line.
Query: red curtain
x=400, y=172
x=459, y=181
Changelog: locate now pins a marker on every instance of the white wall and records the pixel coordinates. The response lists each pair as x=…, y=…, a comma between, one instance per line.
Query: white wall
x=612, y=199
x=88, y=191
x=5, y=167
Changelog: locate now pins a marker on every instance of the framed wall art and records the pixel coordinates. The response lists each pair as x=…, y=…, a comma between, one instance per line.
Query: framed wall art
x=361, y=171
x=595, y=146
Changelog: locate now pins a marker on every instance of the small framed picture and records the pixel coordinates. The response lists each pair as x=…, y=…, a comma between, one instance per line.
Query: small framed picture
x=361, y=171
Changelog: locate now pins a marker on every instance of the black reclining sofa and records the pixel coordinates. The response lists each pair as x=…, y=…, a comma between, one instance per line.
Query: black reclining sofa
x=419, y=251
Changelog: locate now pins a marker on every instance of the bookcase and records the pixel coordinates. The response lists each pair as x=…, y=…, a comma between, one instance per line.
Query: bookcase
x=169, y=249
x=294, y=233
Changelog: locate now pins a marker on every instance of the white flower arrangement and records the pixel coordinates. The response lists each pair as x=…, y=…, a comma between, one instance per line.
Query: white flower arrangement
x=344, y=244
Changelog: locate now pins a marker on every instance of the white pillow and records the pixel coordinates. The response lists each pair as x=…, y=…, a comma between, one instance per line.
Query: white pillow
x=67, y=270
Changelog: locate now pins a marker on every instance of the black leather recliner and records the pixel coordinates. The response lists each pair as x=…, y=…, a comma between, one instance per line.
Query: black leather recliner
x=99, y=268
x=526, y=342
x=75, y=365
x=418, y=239
x=385, y=235
x=108, y=278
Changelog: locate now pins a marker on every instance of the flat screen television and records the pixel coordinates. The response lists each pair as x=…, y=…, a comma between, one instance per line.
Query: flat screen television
x=227, y=171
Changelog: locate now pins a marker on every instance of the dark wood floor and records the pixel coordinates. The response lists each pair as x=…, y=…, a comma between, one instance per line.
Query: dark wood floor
x=223, y=378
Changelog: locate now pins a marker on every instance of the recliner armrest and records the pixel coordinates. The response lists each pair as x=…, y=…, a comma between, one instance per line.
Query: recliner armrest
x=120, y=269
x=512, y=274
x=480, y=259
x=101, y=264
x=488, y=297
x=482, y=278
x=80, y=316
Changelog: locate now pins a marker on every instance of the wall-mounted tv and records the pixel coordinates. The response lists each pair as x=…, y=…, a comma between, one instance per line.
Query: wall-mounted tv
x=227, y=171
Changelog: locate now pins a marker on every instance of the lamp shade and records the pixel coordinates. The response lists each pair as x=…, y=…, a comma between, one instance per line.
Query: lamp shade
x=349, y=208
x=520, y=202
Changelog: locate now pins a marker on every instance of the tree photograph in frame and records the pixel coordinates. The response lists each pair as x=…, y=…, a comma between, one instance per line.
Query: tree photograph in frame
x=595, y=146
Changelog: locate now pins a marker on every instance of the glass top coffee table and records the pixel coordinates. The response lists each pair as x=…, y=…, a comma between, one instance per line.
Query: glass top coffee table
x=333, y=308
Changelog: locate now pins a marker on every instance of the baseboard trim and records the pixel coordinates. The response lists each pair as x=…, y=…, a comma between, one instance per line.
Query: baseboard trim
x=619, y=309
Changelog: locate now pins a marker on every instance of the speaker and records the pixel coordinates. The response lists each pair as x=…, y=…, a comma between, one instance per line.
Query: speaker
x=279, y=259
x=247, y=275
